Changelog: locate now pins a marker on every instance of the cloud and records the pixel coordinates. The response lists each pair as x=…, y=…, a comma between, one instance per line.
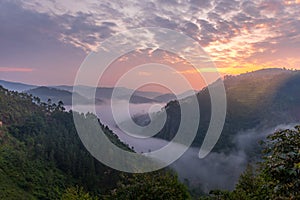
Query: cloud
x=200, y=4
x=224, y=7
x=222, y=170
x=272, y=7
x=191, y=30
x=82, y=30
x=204, y=21
x=32, y=39
x=145, y=73
x=57, y=35
x=15, y=69
x=250, y=8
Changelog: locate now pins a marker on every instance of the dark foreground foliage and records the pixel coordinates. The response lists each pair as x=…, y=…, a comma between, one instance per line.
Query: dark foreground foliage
x=276, y=177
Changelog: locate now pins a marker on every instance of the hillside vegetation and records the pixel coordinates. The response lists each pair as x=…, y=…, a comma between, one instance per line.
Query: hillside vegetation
x=42, y=157
x=259, y=99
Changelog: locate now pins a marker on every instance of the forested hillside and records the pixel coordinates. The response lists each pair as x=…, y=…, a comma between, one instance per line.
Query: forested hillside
x=259, y=99
x=42, y=157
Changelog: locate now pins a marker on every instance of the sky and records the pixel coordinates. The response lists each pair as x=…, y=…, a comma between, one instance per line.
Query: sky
x=44, y=42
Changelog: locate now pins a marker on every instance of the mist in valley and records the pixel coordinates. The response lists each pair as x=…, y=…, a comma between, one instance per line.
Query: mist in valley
x=218, y=170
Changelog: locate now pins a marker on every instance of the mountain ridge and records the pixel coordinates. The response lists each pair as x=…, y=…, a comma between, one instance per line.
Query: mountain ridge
x=256, y=99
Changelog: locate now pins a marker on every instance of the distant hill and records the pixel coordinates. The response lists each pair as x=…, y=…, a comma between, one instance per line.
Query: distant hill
x=105, y=93
x=56, y=95
x=102, y=93
x=165, y=97
x=170, y=96
x=14, y=86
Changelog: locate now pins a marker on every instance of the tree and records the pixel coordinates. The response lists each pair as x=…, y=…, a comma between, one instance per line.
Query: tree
x=282, y=163
x=278, y=175
x=251, y=185
x=60, y=106
x=155, y=185
x=77, y=193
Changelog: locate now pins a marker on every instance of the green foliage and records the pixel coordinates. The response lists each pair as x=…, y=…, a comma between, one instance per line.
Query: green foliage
x=152, y=186
x=42, y=157
x=23, y=177
x=282, y=163
x=251, y=185
x=16, y=106
x=278, y=175
x=261, y=98
x=77, y=193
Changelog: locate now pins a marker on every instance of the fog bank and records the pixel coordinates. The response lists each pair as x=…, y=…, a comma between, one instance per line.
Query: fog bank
x=215, y=171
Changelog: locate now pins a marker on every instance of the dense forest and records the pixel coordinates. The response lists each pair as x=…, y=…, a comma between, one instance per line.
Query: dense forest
x=42, y=157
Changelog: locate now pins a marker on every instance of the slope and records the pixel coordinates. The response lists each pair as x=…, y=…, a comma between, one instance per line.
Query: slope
x=42, y=157
x=258, y=99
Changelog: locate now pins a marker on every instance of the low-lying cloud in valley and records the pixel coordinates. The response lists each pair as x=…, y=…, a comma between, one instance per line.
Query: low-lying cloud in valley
x=218, y=170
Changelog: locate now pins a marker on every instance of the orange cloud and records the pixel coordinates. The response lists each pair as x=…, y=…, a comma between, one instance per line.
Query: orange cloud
x=145, y=73
x=291, y=2
x=15, y=69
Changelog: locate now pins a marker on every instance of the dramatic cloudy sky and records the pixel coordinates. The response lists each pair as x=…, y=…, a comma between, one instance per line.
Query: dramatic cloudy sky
x=45, y=41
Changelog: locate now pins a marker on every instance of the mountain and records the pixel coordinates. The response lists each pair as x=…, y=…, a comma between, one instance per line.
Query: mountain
x=14, y=86
x=165, y=97
x=147, y=94
x=135, y=99
x=259, y=99
x=105, y=93
x=170, y=96
x=56, y=95
x=63, y=93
